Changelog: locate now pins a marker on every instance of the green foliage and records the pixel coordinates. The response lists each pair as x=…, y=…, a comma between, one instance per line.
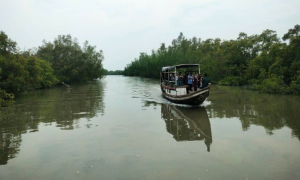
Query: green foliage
x=19, y=74
x=6, y=99
x=273, y=85
x=116, y=72
x=232, y=81
x=62, y=60
x=261, y=61
x=295, y=85
x=20, y=71
x=70, y=62
x=14, y=74
x=46, y=76
x=7, y=46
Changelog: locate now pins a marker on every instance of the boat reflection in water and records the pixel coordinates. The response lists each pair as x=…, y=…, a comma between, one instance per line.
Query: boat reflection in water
x=187, y=124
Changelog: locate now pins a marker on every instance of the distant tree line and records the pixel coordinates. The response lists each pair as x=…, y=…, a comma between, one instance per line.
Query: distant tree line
x=62, y=60
x=116, y=72
x=263, y=62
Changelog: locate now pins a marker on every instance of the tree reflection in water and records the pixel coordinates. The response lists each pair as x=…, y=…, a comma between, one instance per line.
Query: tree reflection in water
x=267, y=110
x=187, y=123
x=60, y=105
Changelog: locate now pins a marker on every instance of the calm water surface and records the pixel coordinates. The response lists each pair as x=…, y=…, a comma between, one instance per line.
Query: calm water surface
x=121, y=128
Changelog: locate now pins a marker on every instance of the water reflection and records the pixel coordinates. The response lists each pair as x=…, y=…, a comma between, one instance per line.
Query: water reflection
x=270, y=111
x=64, y=107
x=187, y=124
x=9, y=146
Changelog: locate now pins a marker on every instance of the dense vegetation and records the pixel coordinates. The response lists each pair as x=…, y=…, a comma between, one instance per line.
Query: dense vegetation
x=116, y=72
x=61, y=61
x=70, y=62
x=261, y=61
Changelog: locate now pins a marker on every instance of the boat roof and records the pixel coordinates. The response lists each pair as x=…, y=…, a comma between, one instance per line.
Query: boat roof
x=179, y=66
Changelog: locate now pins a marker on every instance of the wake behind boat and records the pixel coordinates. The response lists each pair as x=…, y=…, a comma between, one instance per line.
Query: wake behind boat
x=175, y=87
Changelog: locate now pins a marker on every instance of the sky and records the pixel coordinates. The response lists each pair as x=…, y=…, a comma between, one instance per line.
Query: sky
x=125, y=28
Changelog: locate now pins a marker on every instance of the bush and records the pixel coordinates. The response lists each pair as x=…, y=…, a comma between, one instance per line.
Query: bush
x=46, y=76
x=294, y=87
x=6, y=99
x=274, y=85
x=232, y=81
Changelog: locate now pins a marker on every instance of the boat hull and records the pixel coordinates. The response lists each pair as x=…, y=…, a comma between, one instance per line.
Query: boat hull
x=193, y=98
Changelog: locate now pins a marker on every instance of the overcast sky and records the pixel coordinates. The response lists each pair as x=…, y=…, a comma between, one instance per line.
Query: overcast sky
x=124, y=28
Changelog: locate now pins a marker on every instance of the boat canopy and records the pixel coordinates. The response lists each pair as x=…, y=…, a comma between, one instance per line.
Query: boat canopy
x=168, y=68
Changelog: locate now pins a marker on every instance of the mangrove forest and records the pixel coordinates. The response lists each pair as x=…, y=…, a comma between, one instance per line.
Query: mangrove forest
x=52, y=63
x=262, y=62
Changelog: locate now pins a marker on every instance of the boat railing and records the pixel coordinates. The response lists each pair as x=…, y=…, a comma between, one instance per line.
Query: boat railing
x=173, y=83
x=169, y=83
x=179, y=83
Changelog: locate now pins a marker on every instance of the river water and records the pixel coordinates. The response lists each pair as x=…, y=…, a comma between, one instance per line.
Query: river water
x=121, y=128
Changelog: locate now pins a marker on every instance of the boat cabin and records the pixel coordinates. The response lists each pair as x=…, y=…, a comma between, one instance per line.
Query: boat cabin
x=174, y=79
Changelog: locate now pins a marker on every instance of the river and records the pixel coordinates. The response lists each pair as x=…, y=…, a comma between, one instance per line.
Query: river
x=121, y=128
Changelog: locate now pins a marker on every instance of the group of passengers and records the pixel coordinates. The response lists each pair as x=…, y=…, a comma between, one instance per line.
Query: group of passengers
x=194, y=81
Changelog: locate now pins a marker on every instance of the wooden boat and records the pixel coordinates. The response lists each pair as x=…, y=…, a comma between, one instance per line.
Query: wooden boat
x=187, y=124
x=177, y=91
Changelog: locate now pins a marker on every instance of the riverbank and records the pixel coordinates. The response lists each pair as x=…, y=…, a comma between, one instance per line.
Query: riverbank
x=52, y=63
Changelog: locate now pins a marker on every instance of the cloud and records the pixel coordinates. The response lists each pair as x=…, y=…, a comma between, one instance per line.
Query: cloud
x=124, y=28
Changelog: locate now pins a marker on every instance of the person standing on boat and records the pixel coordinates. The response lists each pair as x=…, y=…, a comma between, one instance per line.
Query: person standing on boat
x=185, y=79
x=200, y=81
x=205, y=81
x=190, y=81
x=195, y=81
x=180, y=79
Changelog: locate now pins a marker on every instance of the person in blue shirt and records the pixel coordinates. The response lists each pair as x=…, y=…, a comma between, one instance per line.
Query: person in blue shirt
x=190, y=81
